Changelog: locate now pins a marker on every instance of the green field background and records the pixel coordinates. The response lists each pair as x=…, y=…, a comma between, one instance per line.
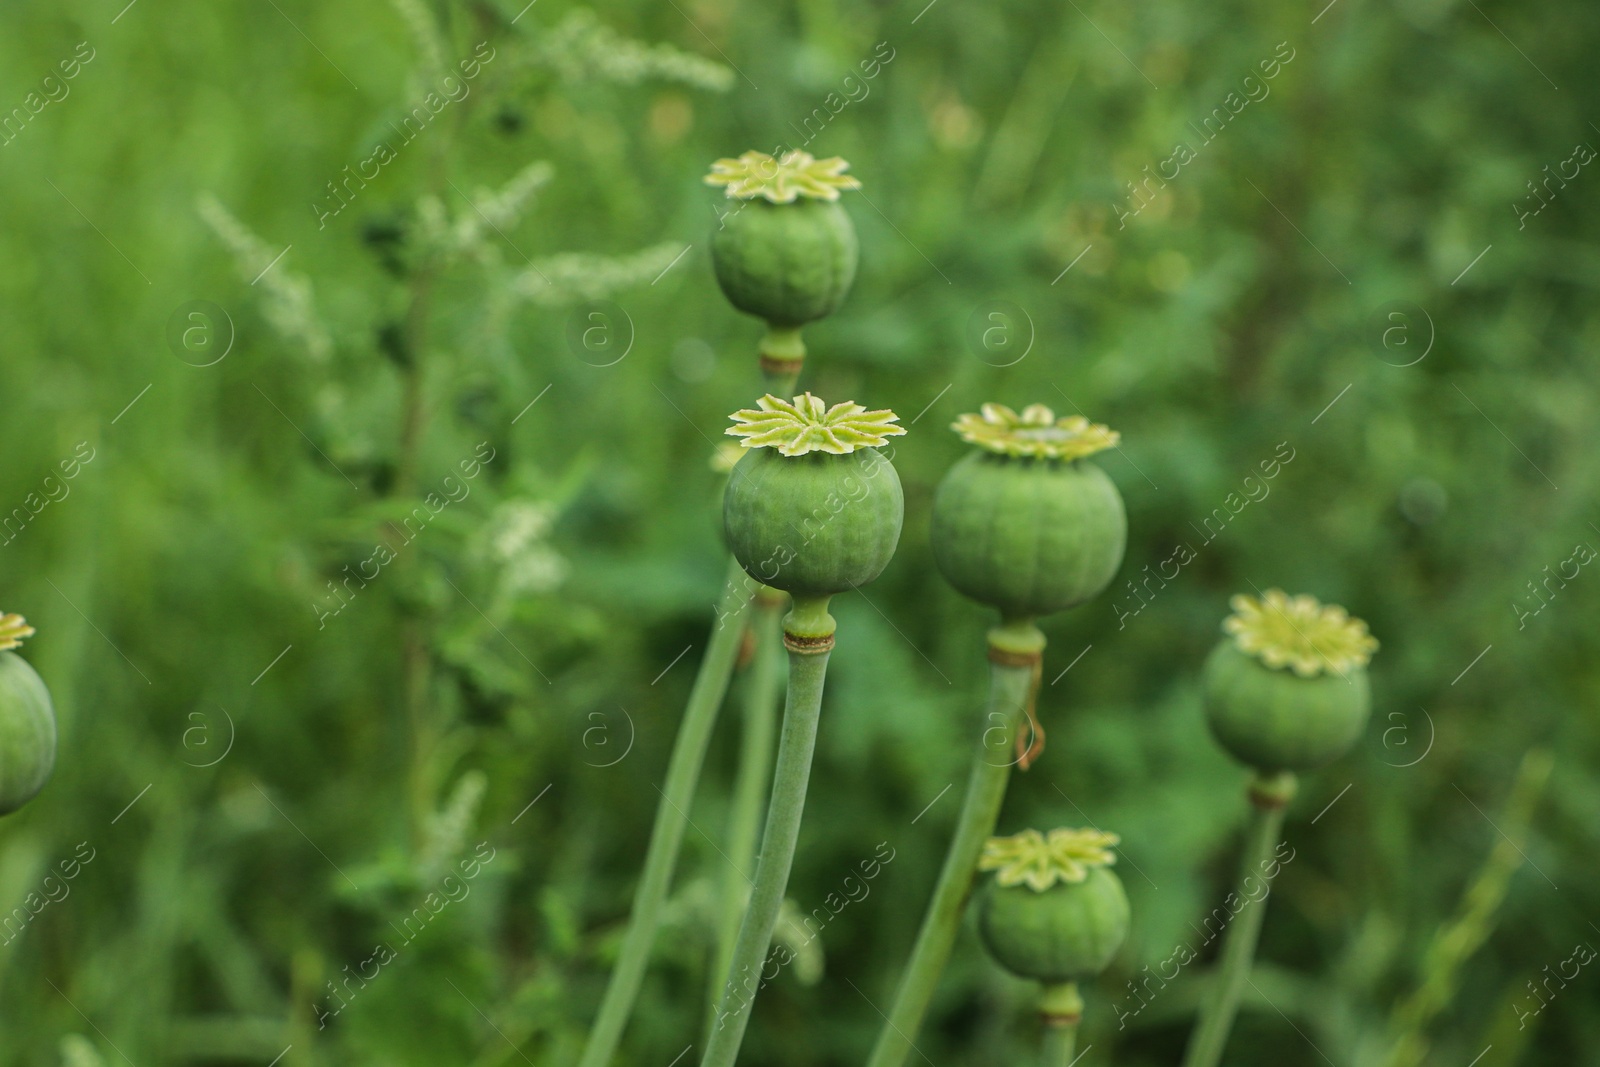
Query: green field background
x=1355, y=270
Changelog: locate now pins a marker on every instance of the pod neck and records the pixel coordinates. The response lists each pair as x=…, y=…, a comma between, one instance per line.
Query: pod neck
x=1016, y=642
x=808, y=628
x=1270, y=791
x=1060, y=1004
x=783, y=353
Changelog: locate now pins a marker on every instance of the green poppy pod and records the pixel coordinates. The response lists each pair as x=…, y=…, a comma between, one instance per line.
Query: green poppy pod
x=1287, y=690
x=813, y=508
x=27, y=722
x=1027, y=524
x=787, y=252
x=1055, y=912
x=724, y=458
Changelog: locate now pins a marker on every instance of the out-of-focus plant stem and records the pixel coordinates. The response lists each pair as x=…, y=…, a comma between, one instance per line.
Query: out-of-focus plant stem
x=1474, y=922
x=1269, y=796
x=413, y=404
x=1014, y=653
x=417, y=661
x=1060, y=1011
x=761, y=694
x=808, y=635
x=416, y=656
x=1057, y=1045
x=672, y=815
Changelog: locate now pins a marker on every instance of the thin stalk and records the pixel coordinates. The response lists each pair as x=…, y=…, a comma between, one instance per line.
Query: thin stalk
x=413, y=401
x=416, y=652
x=783, y=353
x=683, y=775
x=808, y=635
x=416, y=657
x=672, y=815
x=416, y=670
x=1014, y=652
x=1269, y=796
x=1057, y=1045
x=1455, y=941
x=761, y=694
x=762, y=691
x=1060, y=1011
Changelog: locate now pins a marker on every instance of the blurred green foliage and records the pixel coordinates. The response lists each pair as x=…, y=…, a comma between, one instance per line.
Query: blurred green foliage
x=270, y=791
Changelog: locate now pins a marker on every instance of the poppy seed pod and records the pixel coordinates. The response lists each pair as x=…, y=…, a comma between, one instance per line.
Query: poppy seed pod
x=1055, y=911
x=813, y=508
x=788, y=252
x=27, y=722
x=1027, y=524
x=1287, y=689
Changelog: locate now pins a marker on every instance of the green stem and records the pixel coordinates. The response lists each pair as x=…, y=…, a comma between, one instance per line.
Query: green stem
x=779, y=378
x=416, y=667
x=672, y=815
x=808, y=631
x=1455, y=941
x=1060, y=1009
x=1269, y=796
x=1011, y=680
x=761, y=694
x=1056, y=1047
x=416, y=657
x=683, y=774
x=782, y=352
x=413, y=401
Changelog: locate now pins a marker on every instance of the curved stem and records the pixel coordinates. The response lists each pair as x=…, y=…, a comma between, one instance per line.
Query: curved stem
x=1269, y=796
x=1011, y=679
x=672, y=815
x=809, y=646
x=761, y=694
